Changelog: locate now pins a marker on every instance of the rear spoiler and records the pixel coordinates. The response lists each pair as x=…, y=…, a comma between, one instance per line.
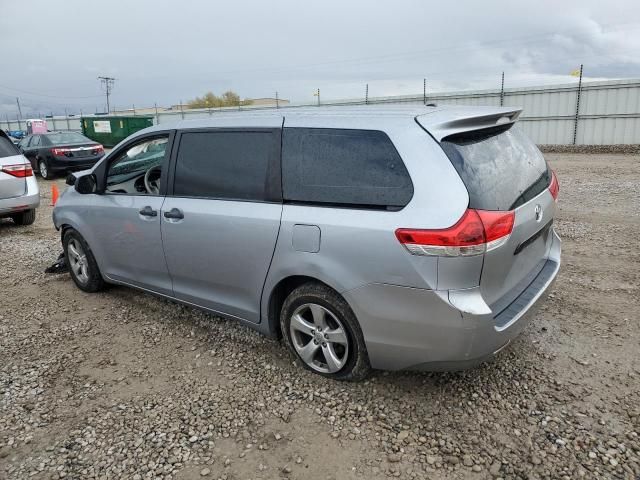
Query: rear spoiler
x=443, y=122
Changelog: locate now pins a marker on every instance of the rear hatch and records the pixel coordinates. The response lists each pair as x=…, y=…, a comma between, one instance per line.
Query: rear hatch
x=504, y=171
x=13, y=182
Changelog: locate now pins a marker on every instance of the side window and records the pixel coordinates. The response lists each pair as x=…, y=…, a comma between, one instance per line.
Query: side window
x=346, y=167
x=35, y=141
x=139, y=169
x=228, y=165
x=7, y=148
x=24, y=143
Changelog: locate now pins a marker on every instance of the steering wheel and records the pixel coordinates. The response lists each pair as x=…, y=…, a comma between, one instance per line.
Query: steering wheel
x=152, y=179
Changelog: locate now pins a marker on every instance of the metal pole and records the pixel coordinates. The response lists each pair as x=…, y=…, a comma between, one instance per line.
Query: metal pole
x=155, y=105
x=502, y=91
x=181, y=111
x=19, y=109
x=318, y=97
x=134, y=109
x=108, y=86
x=366, y=95
x=277, y=101
x=575, y=125
x=424, y=91
x=67, y=117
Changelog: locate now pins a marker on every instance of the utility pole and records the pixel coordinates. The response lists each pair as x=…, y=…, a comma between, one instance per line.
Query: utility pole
x=317, y=94
x=277, y=101
x=502, y=91
x=19, y=109
x=424, y=91
x=107, y=84
x=366, y=95
x=575, y=125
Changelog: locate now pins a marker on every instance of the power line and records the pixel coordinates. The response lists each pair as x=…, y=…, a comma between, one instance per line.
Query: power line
x=26, y=92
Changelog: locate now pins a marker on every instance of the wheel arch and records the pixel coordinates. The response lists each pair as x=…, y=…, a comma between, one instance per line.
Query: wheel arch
x=280, y=292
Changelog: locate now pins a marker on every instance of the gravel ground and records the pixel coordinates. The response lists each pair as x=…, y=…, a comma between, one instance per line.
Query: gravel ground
x=123, y=385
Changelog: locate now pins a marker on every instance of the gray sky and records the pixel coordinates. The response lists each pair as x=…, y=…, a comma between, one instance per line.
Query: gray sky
x=163, y=51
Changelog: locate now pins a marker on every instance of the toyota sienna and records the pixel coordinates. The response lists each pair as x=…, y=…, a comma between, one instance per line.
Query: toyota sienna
x=391, y=237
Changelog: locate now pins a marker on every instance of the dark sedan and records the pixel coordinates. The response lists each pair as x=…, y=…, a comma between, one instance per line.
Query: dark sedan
x=57, y=152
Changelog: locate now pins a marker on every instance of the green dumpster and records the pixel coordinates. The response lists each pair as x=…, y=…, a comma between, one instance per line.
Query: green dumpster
x=109, y=131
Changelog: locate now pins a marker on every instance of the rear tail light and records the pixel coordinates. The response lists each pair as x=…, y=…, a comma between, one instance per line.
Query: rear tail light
x=98, y=149
x=477, y=232
x=554, y=186
x=60, y=152
x=21, y=170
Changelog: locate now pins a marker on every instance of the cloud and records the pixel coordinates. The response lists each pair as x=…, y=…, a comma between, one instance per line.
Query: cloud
x=164, y=52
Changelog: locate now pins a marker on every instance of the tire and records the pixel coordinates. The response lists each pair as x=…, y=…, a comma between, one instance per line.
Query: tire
x=45, y=171
x=24, y=218
x=82, y=267
x=336, y=356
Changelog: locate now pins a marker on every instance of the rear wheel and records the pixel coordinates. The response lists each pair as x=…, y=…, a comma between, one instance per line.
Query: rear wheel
x=82, y=264
x=44, y=170
x=24, y=218
x=320, y=329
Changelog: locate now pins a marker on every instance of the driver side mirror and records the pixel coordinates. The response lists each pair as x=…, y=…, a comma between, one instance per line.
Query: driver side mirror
x=86, y=184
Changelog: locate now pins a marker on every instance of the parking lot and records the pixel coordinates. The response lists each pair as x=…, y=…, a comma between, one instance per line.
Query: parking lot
x=121, y=384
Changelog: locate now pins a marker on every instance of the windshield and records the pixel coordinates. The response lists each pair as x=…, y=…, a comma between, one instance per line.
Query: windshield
x=502, y=168
x=64, y=138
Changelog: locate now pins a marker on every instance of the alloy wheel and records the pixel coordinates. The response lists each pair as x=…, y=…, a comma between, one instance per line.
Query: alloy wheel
x=44, y=173
x=78, y=261
x=319, y=338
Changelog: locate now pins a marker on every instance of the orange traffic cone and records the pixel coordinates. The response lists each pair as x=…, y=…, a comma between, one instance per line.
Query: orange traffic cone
x=54, y=194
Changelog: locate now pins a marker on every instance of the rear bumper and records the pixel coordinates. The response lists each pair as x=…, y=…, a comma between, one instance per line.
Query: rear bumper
x=59, y=165
x=415, y=329
x=28, y=201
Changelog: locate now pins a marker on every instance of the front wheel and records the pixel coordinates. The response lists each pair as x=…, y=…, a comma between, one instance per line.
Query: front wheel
x=320, y=329
x=82, y=264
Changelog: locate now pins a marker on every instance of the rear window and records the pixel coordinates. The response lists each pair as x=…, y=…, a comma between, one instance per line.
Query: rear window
x=63, y=138
x=7, y=148
x=343, y=167
x=502, y=169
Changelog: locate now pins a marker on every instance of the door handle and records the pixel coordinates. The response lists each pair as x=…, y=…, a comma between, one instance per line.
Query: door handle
x=174, y=213
x=148, y=212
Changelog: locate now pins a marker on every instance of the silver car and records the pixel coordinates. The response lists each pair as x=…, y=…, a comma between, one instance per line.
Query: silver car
x=19, y=194
x=391, y=237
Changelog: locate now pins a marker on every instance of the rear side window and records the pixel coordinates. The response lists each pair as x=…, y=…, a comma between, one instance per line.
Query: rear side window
x=240, y=165
x=7, y=148
x=501, y=168
x=343, y=167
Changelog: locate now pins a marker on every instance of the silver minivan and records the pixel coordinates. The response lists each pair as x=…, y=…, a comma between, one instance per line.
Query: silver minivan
x=390, y=237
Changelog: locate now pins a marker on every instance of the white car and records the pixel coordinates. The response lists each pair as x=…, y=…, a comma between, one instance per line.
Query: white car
x=19, y=193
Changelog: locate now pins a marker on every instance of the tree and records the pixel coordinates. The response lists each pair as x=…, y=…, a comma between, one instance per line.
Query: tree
x=211, y=100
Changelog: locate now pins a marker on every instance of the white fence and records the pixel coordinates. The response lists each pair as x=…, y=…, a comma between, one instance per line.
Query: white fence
x=609, y=111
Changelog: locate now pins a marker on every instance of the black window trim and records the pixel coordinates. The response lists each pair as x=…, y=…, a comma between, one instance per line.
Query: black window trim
x=275, y=166
x=352, y=206
x=102, y=169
